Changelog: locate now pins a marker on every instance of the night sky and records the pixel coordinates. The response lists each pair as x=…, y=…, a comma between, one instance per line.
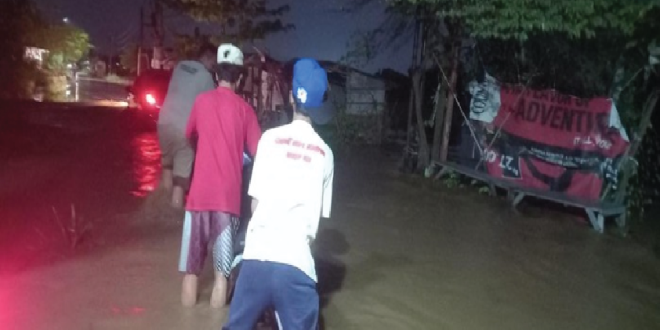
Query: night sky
x=321, y=29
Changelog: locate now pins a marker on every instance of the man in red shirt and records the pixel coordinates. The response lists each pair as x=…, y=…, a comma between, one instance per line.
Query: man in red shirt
x=221, y=126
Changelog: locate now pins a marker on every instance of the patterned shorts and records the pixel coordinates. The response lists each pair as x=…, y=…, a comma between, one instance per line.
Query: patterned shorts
x=202, y=229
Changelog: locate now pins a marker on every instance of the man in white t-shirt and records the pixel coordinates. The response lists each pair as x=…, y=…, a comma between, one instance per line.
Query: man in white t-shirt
x=189, y=79
x=291, y=187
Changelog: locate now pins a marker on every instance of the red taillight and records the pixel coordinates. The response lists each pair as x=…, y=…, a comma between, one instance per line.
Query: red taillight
x=150, y=99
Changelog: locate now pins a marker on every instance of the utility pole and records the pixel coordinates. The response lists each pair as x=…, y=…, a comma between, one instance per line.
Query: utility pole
x=161, y=22
x=155, y=24
x=110, y=55
x=411, y=73
x=141, y=42
x=158, y=34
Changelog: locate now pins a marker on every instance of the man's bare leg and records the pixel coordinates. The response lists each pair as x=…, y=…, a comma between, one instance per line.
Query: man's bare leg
x=189, y=290
x=166, y=180
x=219, y=294
x=178, y=194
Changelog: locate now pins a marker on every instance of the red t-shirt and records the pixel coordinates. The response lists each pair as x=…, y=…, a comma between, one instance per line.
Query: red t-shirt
x=221, y=125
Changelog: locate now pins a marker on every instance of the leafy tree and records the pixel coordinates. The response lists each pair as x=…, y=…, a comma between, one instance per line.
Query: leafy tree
x=19, y=21
x=22, y=26
x=66, y=44
x=516, y=19
x=186, y=46
x=636, y=88
x=239, y=20
x=361, y=48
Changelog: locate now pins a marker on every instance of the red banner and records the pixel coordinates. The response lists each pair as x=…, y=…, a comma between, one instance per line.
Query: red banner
x=555, y=142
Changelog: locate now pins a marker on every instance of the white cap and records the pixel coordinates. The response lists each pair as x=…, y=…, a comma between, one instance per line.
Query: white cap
x=230, y=54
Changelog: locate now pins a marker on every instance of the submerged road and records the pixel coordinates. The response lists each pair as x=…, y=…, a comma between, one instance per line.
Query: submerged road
x=93, y=90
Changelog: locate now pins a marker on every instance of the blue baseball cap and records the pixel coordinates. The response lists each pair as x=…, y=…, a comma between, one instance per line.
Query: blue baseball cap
x=310, y=82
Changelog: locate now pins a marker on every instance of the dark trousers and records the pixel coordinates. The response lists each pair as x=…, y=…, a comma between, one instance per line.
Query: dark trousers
x=263, y=284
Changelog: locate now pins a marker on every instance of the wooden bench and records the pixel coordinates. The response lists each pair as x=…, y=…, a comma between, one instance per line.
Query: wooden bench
x=596, y=211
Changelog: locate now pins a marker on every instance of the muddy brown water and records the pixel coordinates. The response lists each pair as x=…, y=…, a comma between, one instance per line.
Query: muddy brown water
x=396, y=254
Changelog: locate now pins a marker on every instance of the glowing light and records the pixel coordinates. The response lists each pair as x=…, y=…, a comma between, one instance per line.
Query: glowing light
x=150, y=99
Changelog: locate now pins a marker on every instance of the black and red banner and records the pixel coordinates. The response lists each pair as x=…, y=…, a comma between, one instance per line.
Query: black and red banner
x=548, y=141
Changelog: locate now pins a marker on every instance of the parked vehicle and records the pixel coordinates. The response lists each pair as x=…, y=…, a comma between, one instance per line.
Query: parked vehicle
x=149, y=90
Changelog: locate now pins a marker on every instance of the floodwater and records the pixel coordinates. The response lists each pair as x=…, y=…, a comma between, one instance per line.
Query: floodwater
x=397, y=254
x=89, y=90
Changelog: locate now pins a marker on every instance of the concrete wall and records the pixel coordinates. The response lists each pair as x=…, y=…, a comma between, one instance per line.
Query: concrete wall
x=365, y=95
x=363, y=99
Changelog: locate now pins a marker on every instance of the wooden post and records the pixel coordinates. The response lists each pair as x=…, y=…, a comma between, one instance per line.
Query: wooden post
x=260, y=91
x=418, y=87
x=450, y=103
x=440, y=105
x=420, y=74
x=411, y=104
x=411, y=74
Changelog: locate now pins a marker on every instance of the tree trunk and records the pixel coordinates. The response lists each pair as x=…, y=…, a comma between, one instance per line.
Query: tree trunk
x=411, y=110
x=450, y=103
x=637, y=139
x=418, y=89
x=439, y=108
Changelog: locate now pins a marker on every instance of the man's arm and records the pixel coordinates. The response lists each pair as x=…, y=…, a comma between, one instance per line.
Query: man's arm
x=327, y=186
x=191, y=126
x=326, y=201
x=252, y=131
x=253, y=205
x=259, y=172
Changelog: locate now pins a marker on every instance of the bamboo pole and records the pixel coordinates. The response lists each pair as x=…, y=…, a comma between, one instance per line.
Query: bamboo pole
x=638, y=138
x=450, y=104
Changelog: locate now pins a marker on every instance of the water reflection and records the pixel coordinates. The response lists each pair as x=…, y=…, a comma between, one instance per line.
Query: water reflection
x=146, y=163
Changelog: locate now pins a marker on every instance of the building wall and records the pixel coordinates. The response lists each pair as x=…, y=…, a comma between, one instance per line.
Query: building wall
x=337, y=95
x=364, y=95
x=363, y=100
x=36, y=54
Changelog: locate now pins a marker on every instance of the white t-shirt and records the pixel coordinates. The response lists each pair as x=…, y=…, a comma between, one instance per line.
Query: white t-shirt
x=292, y=180
x=189, y=79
